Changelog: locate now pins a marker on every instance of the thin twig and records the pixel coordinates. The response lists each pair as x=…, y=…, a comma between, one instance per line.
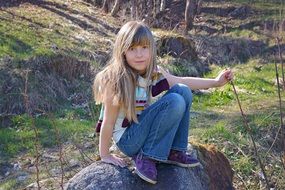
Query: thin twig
x=281, y=61
x=27, y=107
x=276, y=136
x=282, y=158
x=250, y=134
x=82, y=153
x=59, y=144
x=282, y=127
x=242, y=181
x=93, y=117
x=48, y=172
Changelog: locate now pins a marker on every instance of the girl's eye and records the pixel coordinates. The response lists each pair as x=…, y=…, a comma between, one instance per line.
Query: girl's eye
x=131, y=48
x=145, y=47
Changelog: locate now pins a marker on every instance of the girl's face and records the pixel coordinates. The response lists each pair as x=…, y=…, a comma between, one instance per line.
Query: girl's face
x=138, y=58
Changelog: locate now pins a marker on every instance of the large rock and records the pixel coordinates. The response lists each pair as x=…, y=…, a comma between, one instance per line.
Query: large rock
x=215, y=173
x=177, y=46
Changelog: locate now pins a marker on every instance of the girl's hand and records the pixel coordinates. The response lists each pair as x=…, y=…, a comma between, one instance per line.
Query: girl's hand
x=224, y=77
x=115, y=160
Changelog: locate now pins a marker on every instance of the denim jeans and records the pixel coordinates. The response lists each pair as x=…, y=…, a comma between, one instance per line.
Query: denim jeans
x=162, y=126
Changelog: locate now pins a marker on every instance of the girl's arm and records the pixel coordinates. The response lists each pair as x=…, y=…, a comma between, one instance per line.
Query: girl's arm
x=111, y=112
x=199, y=83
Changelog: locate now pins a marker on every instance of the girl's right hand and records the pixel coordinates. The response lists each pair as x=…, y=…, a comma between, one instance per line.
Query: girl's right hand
x=115, y=160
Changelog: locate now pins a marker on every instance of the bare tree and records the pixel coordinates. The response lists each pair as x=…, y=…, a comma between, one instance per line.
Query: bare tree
x=140, y=9
x=199, y=6
x=192, y=7
x=156, y=6
x=159, y=6
x=106, y=5
x=96, y=2
x=116, y=8
x=133, y=9
x=162, y=5
x=189, y=15
x=149, y=4
x=137, y=9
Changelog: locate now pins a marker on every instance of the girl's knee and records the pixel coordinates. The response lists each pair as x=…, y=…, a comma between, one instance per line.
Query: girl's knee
x=176, y=103
x=184, y=91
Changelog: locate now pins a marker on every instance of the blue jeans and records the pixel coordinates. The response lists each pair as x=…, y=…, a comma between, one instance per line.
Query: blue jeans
x=162, y=126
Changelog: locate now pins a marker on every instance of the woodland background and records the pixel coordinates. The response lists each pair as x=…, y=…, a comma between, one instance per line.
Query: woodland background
x=50, y=51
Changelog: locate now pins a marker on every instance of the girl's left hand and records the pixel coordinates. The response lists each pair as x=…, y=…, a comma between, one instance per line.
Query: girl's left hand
x=224, y=77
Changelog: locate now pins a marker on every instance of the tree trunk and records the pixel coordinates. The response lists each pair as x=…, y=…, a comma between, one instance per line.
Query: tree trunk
x=162, y=5
x=156, y=4
x=190, y=12
x=139, y=9
x=150, y=8
x=105, y=6
x=116, y=8
x=133, y=9
x=199, y=6
x=95, y=2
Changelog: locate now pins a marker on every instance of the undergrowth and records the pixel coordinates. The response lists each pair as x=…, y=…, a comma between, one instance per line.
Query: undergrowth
x=221, y=123
x=215, y=117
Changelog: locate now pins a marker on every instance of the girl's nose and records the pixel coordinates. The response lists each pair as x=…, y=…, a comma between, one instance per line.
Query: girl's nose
x=139, y=52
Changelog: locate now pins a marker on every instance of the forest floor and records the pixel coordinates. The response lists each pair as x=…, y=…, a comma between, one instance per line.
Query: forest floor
x=30, y=30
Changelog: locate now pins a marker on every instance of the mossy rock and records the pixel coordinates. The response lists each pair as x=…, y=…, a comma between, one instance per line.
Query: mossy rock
x=177, y=46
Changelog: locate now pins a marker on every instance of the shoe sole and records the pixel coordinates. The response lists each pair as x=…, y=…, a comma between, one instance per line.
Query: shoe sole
x=181, y=164
x=145, y=178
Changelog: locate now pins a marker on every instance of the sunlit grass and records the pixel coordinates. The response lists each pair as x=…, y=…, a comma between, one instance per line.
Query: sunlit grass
x=244, y=165
x=215, y=114
x=256, y=88
x=253, y=81
x=22, y=137
x=246, y=34
x=272, y=9
x=25, y=32
x=216, y=117
x=8, y=184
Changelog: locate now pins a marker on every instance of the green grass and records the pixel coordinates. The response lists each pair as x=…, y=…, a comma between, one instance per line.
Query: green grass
x=271, y=9
x=252, y=80
x=255, y=85
x=21, y=137
x=244, y=165
x=25, y=32
x=216, y=117
x=219, y=130
x=8, y=184
x=247, y=34
x=20, y=40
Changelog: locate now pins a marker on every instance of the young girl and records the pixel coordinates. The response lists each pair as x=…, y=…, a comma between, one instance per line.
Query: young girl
x=149, y=133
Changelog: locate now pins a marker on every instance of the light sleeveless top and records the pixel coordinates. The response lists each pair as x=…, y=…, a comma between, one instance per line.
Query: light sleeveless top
x=158, y=84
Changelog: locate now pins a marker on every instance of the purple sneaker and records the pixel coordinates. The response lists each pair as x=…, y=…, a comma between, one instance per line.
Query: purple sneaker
x=145, y=168
x=182, y=159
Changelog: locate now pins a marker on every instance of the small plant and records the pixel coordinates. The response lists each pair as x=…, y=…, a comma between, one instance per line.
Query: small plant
x=244, y=165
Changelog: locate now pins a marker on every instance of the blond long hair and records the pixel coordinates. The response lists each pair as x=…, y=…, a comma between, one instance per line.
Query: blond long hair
x=118, y=75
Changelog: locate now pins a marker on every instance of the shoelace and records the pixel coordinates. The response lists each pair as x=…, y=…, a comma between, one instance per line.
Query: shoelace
x=140, y=156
